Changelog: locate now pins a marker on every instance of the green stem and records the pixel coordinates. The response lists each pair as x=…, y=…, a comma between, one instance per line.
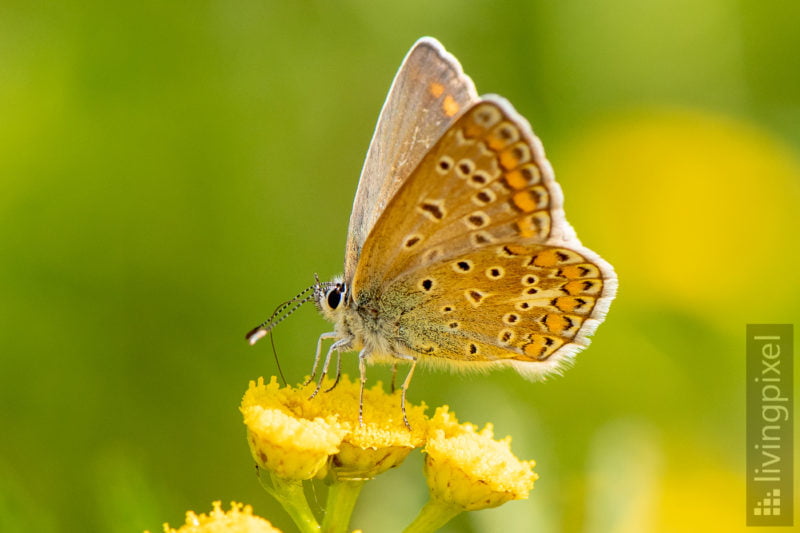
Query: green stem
x=433, y=516
x=342, y=497
x=292, y=498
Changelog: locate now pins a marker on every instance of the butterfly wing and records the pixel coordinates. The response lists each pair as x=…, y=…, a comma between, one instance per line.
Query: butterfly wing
x=473, y=258
x=428, y=93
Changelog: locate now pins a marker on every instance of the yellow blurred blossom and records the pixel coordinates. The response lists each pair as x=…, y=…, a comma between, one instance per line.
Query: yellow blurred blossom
x=239, y=519
x=709, y=201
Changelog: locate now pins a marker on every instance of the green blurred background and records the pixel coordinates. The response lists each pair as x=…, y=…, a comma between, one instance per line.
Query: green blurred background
x=169, y=172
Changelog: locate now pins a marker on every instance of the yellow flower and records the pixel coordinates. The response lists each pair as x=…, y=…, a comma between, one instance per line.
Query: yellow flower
x=239, y=519
x=382, y=442
x=295, y=438
x=469, y=469
x=298, y=438
x=284, y=435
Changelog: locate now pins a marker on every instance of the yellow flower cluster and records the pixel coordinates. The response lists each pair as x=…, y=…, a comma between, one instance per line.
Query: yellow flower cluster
x=296, y=438
x=240, y=519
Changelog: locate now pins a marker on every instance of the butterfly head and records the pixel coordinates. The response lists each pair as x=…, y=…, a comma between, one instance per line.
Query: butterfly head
x=331, y=297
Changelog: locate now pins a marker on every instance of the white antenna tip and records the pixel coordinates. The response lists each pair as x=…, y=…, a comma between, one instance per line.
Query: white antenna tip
x=256, y=335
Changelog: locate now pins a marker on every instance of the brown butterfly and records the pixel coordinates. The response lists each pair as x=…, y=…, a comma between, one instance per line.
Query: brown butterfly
x=458, y=251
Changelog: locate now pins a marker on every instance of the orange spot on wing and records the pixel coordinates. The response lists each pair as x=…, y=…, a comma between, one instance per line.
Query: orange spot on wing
x=556, y=323
x=541, y=347
x=527, y=227
x=511, y=158
x=501, y=136
x=585, y=270
x=516, y=180
x=508, y=160
x=436, y=89
x=576, y=287
x=571, y=304
x=472, y=130
x=450, y=106
x=515, y=249
x=547, y=258
x=525, y=201
x=533, y=349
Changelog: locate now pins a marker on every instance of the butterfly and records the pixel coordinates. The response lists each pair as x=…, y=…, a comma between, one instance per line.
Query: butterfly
x=458, y=251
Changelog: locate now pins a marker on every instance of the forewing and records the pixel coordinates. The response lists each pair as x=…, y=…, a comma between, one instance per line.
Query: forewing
x=429, y=91
x=478, y=233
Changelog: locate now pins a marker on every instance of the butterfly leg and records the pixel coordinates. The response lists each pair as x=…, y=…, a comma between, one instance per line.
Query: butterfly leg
x=338, y=372
x=362, y=370
x=403, y=390
x=324, y=336
x=342, y=345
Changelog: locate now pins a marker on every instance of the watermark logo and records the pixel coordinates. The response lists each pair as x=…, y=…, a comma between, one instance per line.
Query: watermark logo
x=770, y=505
x=770, y=405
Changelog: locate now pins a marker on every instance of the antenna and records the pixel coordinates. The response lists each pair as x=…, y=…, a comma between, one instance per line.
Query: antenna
x=279, y=315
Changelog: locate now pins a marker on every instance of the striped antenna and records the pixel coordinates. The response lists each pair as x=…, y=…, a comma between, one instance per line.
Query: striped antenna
x=279, y=315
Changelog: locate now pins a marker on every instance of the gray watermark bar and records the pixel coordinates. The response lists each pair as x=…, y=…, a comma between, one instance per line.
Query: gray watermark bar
x=770, y=408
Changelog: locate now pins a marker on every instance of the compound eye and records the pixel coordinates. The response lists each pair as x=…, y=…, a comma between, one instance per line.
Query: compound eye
x=334, y=297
